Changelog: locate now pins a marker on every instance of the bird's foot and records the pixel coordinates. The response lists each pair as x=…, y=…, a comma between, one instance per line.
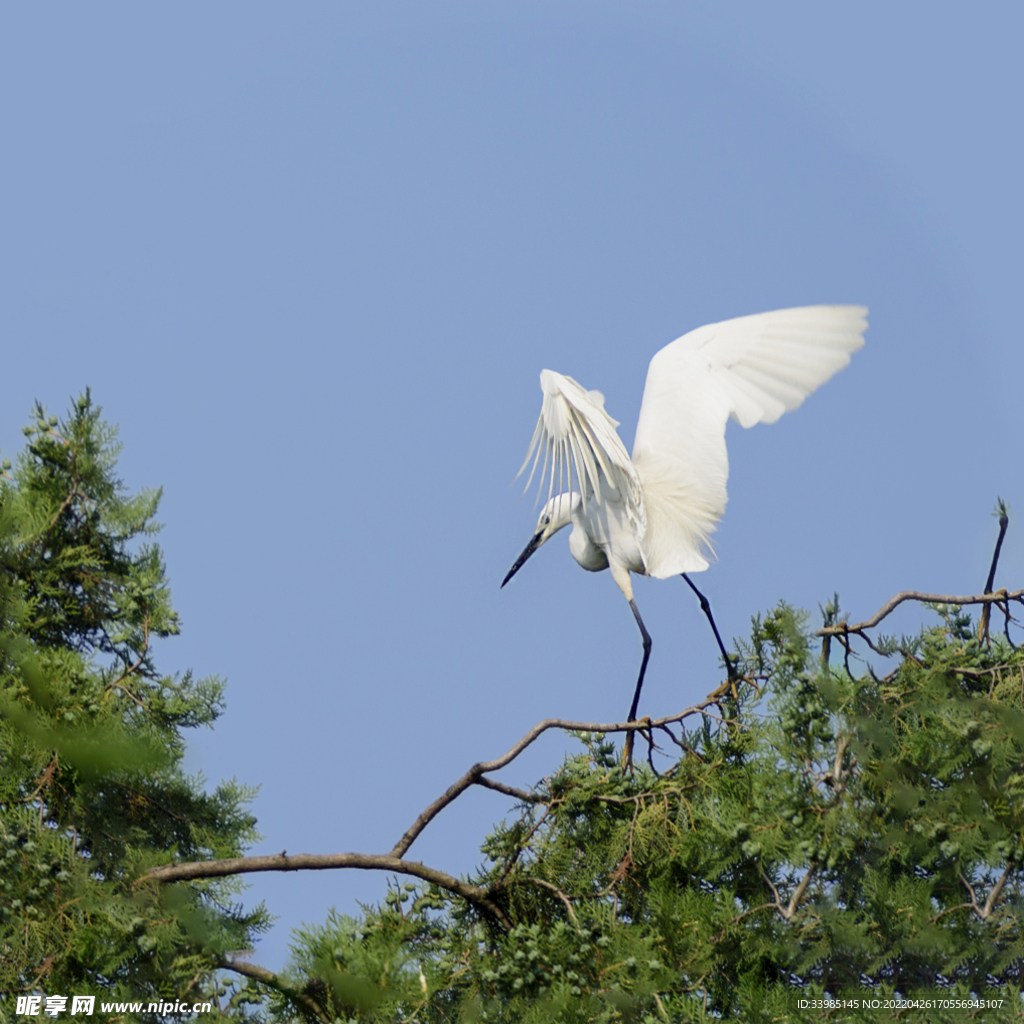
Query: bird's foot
x=731, y=686
x=627, y=750
x=728, y=687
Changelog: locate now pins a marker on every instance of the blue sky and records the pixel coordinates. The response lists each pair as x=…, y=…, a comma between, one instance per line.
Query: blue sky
x=312, y=259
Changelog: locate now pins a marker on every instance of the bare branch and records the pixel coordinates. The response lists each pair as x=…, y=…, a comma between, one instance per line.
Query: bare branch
x=836, y=778
x=518, y=794
x=395, y=861
x=798, y=893
x=785, y=912
x=994, y=895
x=775, y=892
x=844, y=628
x=552, y=888
x=323, y=862
x=985, y=912
x=261, y=974
x=474, y=775
x=952, y=910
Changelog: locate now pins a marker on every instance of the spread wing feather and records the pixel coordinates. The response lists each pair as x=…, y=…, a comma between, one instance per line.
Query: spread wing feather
x=577, y=439
x=753, y=369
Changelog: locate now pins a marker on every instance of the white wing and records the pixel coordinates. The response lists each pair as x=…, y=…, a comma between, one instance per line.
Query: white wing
x=575, y=434
x=754, y=369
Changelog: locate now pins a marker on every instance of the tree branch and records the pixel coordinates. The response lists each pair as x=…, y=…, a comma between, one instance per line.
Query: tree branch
x=785, y=912
x=836, y=778
x=394, y=861
x=985, y=912
x=323, y=862
x=995, y=893
x=798, y=893
x=843, y=628
x=266, y=977
x=476, y=773
x=566, y=902
x=519, y=794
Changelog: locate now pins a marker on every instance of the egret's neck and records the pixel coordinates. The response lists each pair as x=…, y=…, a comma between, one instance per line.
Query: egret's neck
x=561, y=508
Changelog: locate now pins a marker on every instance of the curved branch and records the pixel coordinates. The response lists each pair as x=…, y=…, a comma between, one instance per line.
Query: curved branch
x=475, y=774
x=394, y=861
x=323, y=862
x=785, y=912
x=985, y=912
x=269, y=978
x=842, y=628
x=563, y=898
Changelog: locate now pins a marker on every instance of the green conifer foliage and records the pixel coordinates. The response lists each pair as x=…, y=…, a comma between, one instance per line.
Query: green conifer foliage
x=92, y=737
x=842, y=835
x=839, y=835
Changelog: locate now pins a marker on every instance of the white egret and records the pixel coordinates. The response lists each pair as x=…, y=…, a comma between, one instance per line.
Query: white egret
x=654, y=514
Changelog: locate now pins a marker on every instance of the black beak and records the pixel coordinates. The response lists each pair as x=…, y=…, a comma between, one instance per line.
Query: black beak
x=521, y=560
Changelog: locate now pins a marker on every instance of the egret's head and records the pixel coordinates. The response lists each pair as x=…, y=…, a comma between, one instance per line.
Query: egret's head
x=553, y=516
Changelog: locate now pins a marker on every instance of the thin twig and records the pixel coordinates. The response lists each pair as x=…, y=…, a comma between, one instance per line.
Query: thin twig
x=648, y=734
x=661, y=1008
x=521, y=845
x=128, y=693
x=775, y=892
x=1004, y=607
x=995, y=671
x=131, y=668
x=672, y=737
x=558, y=892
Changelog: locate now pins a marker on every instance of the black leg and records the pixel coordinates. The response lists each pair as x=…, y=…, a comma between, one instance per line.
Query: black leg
x=643, y=664
x=627, y=754
x=706, y=608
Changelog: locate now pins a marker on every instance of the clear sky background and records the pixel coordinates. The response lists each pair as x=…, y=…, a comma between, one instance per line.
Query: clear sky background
x=312, y=258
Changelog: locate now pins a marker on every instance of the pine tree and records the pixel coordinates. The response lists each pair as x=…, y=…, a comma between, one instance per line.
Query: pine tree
x=837, y=829
x=830, y=834
x=92, y=736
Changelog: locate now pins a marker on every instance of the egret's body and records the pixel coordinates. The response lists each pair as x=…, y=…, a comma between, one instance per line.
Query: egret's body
x=653, y=513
